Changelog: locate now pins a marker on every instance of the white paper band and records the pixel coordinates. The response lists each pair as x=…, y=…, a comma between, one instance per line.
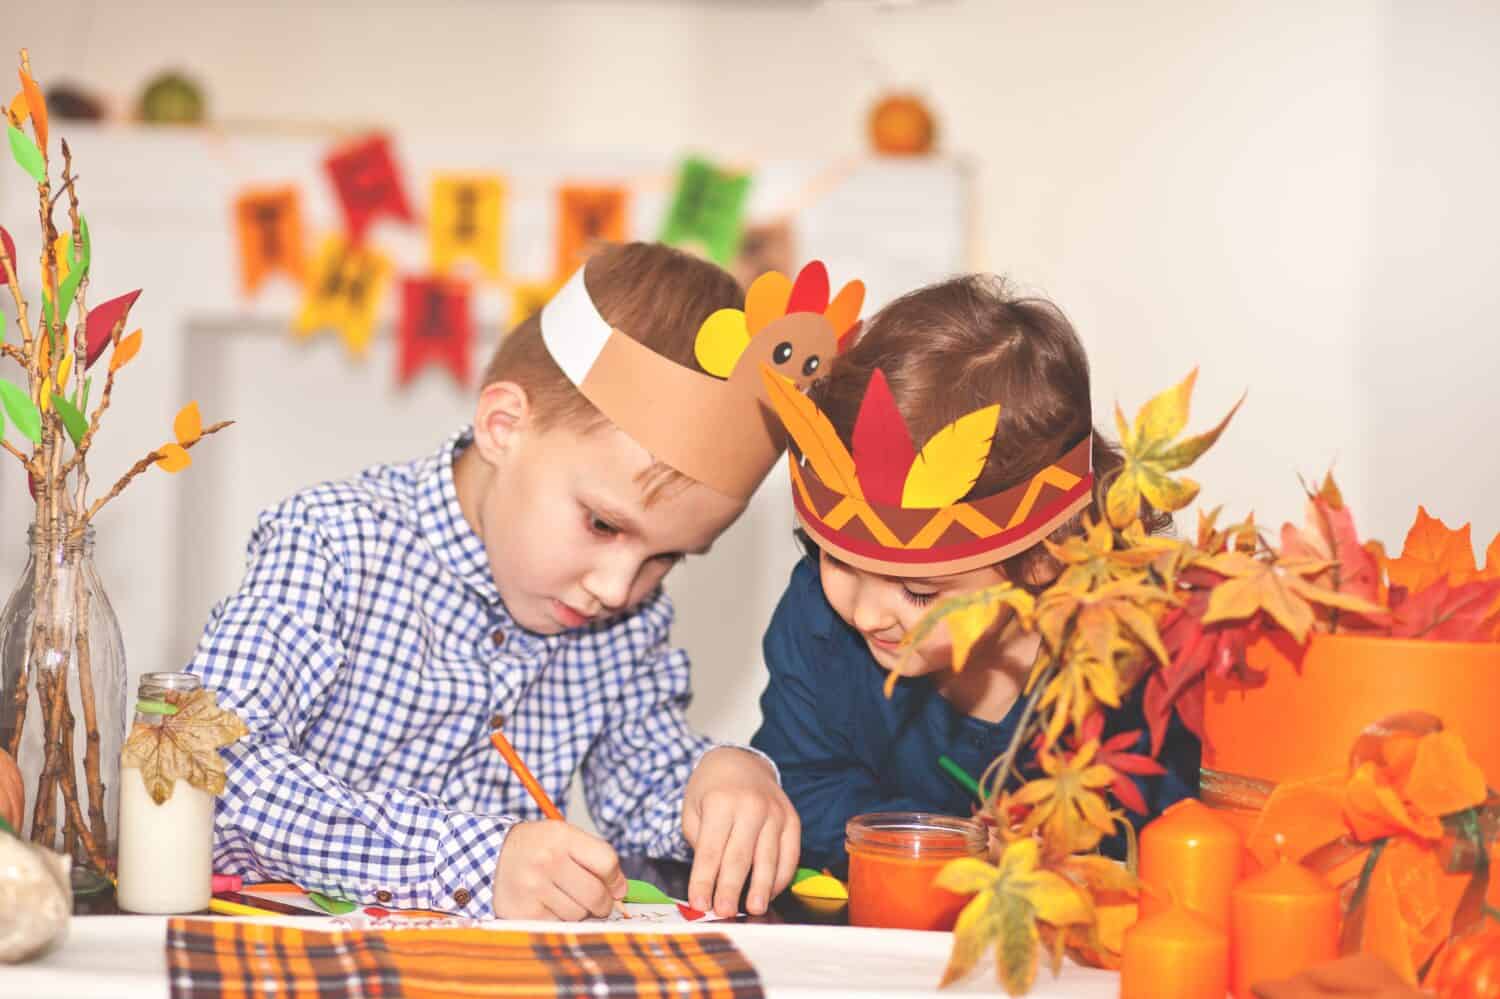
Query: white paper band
x=573, y=329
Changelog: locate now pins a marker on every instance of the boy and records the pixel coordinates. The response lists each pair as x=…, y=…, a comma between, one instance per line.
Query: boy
x=388, y=622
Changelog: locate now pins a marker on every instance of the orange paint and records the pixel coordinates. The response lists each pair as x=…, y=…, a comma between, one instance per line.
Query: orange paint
x=1192, y=855
x=1283, y=921
x=894, y=858
x=1175, y=954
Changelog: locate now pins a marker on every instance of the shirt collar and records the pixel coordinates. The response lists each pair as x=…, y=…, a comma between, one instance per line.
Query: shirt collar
x=442, y=521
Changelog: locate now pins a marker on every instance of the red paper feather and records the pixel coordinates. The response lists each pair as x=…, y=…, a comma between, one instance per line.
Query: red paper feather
x=883, y=450
x=810, y=291
x=101, y=323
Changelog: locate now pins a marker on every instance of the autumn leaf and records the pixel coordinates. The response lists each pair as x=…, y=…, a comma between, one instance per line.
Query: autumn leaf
x=969, y=615
x=1009, y=901
x=1066, y=805
x=1280, y=588
x=1117, y=753
x=184, y=746
x=1330, y=536
x=1443, y=612
x=1433, y=551
x=1151, y=454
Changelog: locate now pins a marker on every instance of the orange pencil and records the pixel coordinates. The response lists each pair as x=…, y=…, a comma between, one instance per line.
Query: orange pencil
x=538, y=795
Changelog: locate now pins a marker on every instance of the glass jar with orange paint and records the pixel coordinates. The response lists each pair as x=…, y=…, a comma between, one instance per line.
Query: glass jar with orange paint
x=894, y=858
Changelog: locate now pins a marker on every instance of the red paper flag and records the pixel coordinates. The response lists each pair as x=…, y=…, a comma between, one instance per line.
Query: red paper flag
x=435, y=327
x=101, y=322
x=368, y=184
x=270, y=235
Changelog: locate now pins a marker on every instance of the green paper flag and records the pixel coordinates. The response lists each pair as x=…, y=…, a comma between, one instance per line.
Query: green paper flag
x=708, y=210
x=22, y=411
x=645, y=893
x=27, y=154
x=72, y=420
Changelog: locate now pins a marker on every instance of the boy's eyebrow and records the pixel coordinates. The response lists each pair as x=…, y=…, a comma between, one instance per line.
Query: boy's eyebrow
x=604, y=508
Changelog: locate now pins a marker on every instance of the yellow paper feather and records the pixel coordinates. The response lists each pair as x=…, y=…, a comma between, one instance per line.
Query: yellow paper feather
x=815, y=436
x=721, y=340
x=951, y=461
x=766, y=300
x=843, y=311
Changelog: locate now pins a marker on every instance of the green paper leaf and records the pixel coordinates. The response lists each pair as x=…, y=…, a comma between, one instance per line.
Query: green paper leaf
x=72, y=420
x=27, y=154
x=22, y=411
x=330, y=905
x=75, y=262
x=645, y=893
x=83, y=403
x=6, y=827
x=147, y=707
x=803, y=873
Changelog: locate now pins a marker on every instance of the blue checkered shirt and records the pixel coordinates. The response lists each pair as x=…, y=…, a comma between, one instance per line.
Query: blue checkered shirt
x=368, y=652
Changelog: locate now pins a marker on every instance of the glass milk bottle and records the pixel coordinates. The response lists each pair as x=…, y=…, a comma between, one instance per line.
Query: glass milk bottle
x=166, y=850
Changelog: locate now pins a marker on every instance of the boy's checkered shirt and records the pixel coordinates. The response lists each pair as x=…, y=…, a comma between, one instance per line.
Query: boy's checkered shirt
x=368, y=651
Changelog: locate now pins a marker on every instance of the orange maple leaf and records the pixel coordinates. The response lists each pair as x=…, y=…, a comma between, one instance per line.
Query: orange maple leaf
x=1433, y=551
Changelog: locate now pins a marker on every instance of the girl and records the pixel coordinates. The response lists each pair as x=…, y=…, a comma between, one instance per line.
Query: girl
x=883, y=542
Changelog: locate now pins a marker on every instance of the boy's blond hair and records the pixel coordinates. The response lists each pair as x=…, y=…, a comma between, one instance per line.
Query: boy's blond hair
x=656, y=295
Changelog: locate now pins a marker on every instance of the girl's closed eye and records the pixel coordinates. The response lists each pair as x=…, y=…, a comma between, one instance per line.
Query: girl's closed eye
x=918, y=597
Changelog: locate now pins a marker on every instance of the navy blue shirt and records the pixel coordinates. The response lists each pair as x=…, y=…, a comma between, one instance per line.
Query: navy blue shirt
x=845, y=749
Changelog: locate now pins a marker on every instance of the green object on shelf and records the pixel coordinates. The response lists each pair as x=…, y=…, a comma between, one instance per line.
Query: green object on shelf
x=961, y=775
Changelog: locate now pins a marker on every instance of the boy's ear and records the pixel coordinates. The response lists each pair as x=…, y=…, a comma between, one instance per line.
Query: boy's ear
x=503, y=412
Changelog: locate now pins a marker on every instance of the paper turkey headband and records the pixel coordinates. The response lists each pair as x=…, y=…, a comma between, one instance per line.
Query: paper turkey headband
x=892, y=509
x=716, y=428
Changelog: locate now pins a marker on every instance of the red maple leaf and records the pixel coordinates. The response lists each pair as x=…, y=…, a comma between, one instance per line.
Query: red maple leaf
x=1443, y=612
x=1116, y=753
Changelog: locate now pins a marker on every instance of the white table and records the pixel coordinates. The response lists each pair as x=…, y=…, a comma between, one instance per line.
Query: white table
x=124, y=957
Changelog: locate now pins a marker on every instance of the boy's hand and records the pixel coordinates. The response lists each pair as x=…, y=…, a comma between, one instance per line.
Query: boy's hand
x=739, y=822
x=1362, y=975
x=553, y=870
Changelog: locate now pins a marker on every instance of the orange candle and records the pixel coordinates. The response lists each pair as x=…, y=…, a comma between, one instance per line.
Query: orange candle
x=894, y=858
x=1192, y=855
x=1175, y=954
x=1282, y=921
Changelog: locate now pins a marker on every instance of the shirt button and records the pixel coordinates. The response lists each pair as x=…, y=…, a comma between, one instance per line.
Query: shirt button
x=498, y=636
x=382, y=896
x=497, y=720
x=462, y=896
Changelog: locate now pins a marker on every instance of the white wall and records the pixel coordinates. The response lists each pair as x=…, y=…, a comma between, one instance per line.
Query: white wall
x=1297, y=197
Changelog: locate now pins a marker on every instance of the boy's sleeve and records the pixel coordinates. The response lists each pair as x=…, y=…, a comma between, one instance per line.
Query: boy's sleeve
x=270, y=651
x=807, y=720
x=636, y=773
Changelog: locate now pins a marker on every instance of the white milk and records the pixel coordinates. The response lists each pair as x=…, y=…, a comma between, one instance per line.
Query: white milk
x=166, y=850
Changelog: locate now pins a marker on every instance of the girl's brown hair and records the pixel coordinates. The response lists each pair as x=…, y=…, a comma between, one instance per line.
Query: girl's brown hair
x=957, y=346
x=658, y=295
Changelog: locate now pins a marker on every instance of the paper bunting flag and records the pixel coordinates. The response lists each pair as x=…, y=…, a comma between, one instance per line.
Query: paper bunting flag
x=435, y=327
x=466, y=222
x=368, y=184
x=587, y=216
x=708, y=211
x=767, y=246
x=527, y=299
x=344, y=292
x=269, y=221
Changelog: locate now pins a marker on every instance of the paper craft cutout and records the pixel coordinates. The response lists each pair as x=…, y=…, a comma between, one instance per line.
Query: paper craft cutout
x=9, y=246
x=269, y=222
x=528, y=297
x=368, y=184
x=848, y=502
x=586, y=217
x=344, y=291
x=26, y=154
x=466, y=222
x=99, y=328
x=24, y=415
x=822, y=886
x=435, y=327
x=36, y=106
x=643, y=891
x=707, y=211
x=716, y=430
x=187, y=426
x=128, y=348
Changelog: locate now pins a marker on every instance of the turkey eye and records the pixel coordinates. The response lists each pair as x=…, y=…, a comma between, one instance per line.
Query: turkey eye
x=782, y=353
x=810, y=365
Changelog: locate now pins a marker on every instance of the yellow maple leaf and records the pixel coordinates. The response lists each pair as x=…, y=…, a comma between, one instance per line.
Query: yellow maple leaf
x=1150, y=454
x=969, y=615
x=1009, y=901
x=1066, y=805
x=1280, y=588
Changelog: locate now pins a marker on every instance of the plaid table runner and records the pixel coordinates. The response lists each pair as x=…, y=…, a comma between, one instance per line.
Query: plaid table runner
x=237, y=959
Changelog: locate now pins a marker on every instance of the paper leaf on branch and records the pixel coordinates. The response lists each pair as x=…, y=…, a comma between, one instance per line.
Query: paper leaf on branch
x=100, y=325
x=21, y=410
x=127, y=349
x=185, y=745
x=72, y=420
x=188, y=424
x=26, y=154
x=1150, y=454
x=7, y=252
x=1433, y=551
x=36, y=107
x=174, y=458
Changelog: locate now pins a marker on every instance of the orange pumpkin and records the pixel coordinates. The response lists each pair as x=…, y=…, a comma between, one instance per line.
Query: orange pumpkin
x=12, y=794
x=901, y=125
x=1469, y=967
